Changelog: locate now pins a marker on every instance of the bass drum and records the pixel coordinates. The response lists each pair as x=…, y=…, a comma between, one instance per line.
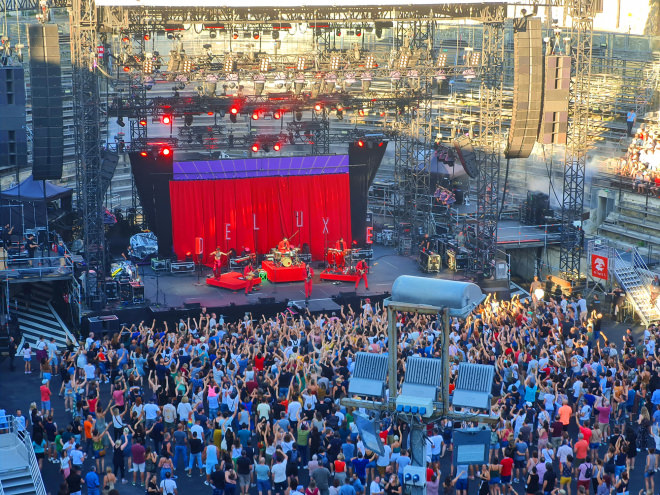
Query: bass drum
x=286, y=261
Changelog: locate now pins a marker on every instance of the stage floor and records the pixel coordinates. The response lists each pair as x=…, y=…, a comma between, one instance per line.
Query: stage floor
x=176, y=289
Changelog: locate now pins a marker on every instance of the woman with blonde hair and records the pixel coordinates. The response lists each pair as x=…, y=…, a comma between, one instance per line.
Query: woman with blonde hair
x=109, y=481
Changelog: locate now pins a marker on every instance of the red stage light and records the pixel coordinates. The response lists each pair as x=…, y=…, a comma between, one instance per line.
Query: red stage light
x=277, y=115
x=209, y=113
x=146, y=37
x=143, y=122
x=380, y=145
x=166, y=151
x=318, y=107
x=235, y=36
x=144, y=153
x=127, y=68
x=125, y=39
x=361, y=112
x=167, y=119
x=233, y=110
x=256, y=36
x=255, y=116
x=360, y=143
x=255, y=147
x=277, y=147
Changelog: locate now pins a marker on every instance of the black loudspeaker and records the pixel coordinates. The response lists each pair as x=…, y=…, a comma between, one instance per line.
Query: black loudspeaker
x=47, y=113
x=266, y=300
x=527, y=87
x=554, y=122
x=13, y=138
x=466, y=155
x=109, y=162
x=192, y=304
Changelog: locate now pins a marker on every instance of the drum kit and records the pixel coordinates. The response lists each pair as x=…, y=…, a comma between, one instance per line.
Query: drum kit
x=124, y=271
x=340, y=261
x=286, y=259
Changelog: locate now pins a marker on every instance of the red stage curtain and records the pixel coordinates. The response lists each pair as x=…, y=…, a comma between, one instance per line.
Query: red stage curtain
x=226, y=212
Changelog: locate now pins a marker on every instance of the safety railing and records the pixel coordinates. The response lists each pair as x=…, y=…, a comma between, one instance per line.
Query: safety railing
x=22, y=266
x=9, y=425
x=528, y=234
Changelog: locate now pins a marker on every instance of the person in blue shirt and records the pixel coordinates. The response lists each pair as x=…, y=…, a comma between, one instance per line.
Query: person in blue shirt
x=92, y=482
x=360, y=467
x=347, y=488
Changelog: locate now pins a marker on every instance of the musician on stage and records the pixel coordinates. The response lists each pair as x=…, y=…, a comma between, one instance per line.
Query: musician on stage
x=425, y=245
x=218, y=262
x=284, y=246
x=341, y=245
x=309, y=276
x=361, y=268
x=250, y=277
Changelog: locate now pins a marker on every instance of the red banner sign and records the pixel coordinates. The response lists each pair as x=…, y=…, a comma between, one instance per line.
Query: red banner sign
x=599, y=266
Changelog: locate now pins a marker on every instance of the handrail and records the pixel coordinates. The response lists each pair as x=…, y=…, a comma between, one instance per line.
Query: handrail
x=9, y=425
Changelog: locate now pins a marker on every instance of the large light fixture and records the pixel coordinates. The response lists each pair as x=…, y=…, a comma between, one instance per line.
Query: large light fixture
x=369, y=62
x=265, y=64
x=404, y=58
x=186, y=65
x=301, y=63
x=335, y=60
x=442, y=59
x=229, y=64
x=148, y=66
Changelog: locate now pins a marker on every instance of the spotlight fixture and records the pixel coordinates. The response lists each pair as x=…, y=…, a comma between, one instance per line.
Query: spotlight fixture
x=255, y=147
x=277, y=147
x=277, y=114
x=318, y=107
x=127, y=68
x=186, y=65
x=166, y=119
x=358, y=32
x=148, y=66
x=126, y=39
x=255, y=35
x=442, y=59
x=301, y=63
x=369, y=62
x=144, y=153
x=264, y=65
x=212, y=34
x=338, y=32
x=475, y=58
x=335, y=60
x=143, y=122
x=120, y=122
x=235, y=35
x=229, y=64
x=255, y=115
x=146, y=37
x=360, y=143
x=166, y=151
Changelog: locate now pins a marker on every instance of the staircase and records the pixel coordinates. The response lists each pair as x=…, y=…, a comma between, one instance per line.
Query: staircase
x=37, y=318
x=19, y=470
x=635, y=278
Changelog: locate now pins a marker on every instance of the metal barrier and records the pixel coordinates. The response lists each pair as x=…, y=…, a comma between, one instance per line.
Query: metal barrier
x=10, y=426
x=20, y=267
x=527, y=234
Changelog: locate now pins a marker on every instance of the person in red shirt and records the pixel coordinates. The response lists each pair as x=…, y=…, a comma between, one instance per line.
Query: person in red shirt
x=259, y=361
x=309, y=276
x=361, y=269
x=284, y=246
x=506, y=471
x=45, y=397
x=250, y=278
x=581, y=449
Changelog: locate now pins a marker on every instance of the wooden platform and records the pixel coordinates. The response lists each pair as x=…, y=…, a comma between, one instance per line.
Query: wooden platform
x=231, y=281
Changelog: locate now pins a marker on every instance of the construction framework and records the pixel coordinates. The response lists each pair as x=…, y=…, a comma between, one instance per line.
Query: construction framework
x=88, y=144
x=572, y=240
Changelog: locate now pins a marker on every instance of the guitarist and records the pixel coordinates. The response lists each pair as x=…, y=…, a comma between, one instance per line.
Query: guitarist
x=250, y=277
x=218, y=262
x=309, y=275
x=361, y=268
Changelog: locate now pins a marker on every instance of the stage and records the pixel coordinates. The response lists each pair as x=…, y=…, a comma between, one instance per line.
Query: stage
x=167, y=293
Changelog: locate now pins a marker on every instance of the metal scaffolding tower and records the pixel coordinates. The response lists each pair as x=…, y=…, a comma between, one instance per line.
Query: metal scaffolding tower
x=582, y=14
x=490, y=145
x=88, y=142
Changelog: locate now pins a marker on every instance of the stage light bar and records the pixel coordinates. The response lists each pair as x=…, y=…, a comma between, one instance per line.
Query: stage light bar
x=187, y=65
x=442, y=59
x=264, y=65
x=301, y=63
x=369, y=62
x=403, y=60
x=335, y=61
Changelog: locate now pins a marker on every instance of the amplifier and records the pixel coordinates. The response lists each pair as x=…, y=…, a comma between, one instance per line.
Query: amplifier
x=182, y=266
x=125, y=292
x=160, y=265
x=138, y=292
x=363, y=254
x=111, y=290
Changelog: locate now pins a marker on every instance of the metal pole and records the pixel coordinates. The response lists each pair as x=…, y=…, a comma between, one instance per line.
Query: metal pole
x=417, y=451
x=445, y=360
x=392, y=353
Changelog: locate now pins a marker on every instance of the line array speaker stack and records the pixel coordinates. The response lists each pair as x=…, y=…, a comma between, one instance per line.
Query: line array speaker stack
x=554, y=123
x=47, y=114
x=535, y=208
x=527, y=87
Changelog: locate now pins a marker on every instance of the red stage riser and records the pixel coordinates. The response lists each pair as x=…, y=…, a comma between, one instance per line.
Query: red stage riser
x=241, y=213
x=280, y=274
x=230, y=281
x=341, y=277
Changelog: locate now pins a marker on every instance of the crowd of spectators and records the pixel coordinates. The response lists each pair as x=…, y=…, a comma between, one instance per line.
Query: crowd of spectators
x=642, y=161
x=254, y=406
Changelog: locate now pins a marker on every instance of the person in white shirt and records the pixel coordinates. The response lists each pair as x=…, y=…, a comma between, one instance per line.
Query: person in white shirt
x=183, y=409
x=374, y=487
x=151, y=411
x=169, y=416
x=168, y=485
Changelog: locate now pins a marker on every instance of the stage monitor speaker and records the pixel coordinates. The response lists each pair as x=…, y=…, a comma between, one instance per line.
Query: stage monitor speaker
x=466, y=155
x=266, y=300
x=554, y=121
x=192, y=304
x=47, y=109
x=527, y=87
